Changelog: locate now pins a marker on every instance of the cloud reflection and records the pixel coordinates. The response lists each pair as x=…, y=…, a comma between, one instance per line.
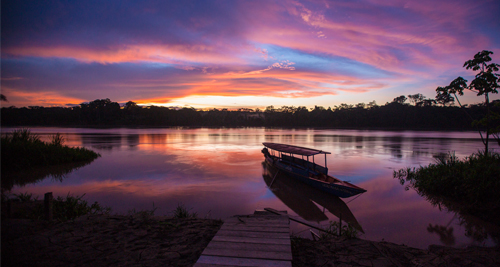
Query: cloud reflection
x=219, y=172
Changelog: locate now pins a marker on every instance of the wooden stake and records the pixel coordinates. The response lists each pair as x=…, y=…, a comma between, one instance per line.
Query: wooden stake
x=48, y=206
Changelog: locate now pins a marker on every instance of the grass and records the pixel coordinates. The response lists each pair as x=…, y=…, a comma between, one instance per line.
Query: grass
x=72, y=207
x=25, y=197
x=471, y=185
x=63, y=208
x=145, y=216
x=23, y=150
x=182, y=212
x=346, y=230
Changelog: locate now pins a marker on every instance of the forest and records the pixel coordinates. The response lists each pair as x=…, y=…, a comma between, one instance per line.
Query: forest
x=412, y=112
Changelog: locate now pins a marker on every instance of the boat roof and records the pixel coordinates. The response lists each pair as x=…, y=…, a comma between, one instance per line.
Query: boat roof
x=304, y=151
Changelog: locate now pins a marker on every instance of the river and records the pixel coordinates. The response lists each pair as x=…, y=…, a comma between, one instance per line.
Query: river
x=218, y=172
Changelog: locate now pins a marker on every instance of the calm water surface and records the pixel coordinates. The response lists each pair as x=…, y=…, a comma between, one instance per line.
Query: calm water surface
x=219, y=173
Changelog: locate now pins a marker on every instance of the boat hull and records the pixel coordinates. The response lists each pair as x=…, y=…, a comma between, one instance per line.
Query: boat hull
x=303, y=176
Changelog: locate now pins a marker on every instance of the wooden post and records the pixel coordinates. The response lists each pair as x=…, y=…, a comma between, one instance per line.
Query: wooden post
x=9, y=208
x=314, y=235
x=340, y=224
x=48, y=206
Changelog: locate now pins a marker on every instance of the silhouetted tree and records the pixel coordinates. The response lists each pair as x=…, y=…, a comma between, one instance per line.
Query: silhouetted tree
x=100, y=110
x=130, y=105
x=400, y=99
x=427, y=102
x=445, y=99
x=416, y=98
x=372, y=104
x=484, y=83
x=391, y=115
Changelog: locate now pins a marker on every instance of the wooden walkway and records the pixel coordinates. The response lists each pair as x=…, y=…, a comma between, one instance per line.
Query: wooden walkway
x=261, y=239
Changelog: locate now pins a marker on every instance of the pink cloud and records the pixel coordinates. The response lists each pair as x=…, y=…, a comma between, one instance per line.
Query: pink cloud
x=399, y=42
x=168, y=54
x=24, y=98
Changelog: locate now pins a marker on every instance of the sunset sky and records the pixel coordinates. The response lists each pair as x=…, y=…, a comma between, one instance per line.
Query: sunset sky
x=239, y=53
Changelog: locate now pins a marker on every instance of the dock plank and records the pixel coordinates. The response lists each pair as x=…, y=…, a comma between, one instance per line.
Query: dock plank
x=258, y=228
x=250, y=246
x=236, y=239
x=253, y=234
x=277, y=218
x=218, y=261
x=246, y=253
x=240, y=220
x=262, y=239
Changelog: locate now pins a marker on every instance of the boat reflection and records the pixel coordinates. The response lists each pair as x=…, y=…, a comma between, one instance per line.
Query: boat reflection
x=301, y=198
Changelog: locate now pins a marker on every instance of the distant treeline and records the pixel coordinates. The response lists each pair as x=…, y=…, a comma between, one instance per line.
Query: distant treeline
x=423, y=114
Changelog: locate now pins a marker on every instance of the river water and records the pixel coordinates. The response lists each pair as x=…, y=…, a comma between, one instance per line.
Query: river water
x=218, y=172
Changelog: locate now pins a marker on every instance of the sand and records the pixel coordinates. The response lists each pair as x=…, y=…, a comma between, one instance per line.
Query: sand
x=358, y=252
x=103, y=240
x=142, y=240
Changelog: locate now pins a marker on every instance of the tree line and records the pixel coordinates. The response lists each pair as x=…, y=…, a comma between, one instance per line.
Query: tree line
x=418, y=113
x=412, y=112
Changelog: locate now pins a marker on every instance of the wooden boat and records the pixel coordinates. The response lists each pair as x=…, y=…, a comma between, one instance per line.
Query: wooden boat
x=285, y=158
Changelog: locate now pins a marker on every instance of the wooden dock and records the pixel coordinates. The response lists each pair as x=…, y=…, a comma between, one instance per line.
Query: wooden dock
x=261, y=239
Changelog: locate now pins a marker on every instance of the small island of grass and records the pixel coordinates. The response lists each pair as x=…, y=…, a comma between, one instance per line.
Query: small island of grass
x=468, y=187
x=26, y=158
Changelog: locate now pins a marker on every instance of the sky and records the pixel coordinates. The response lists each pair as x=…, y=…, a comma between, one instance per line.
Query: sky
x=240, y=54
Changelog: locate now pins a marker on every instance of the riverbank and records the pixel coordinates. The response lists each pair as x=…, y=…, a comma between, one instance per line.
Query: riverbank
x=144, y=240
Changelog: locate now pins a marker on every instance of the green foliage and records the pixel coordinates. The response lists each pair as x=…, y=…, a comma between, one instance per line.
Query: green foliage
x=72, y=207
x=346, y=230
x=23, y=150
x=400, y=99
x=23, y=136
x=182, y=212
x=25, y=197
x=145, y=216
x=57, y=140
x=398, y=114
x=472, y=183
x=63, y=208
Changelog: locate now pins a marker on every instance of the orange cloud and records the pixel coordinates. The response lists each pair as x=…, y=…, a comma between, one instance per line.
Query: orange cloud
x=45, y=99
x=168, y=54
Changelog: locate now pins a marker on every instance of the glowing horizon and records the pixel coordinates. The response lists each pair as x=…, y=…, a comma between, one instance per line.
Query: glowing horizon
x=239, y=54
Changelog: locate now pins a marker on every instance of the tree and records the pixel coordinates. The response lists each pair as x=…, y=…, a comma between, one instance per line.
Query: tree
x=3, y=98
x=484, y=83
x=444, y=99
x=426, y=102
x=372, y=104
x=100, y=110
x=361, y=105
x=400, y=99
x=130, y=105
x=270, y=109
x=416, y=98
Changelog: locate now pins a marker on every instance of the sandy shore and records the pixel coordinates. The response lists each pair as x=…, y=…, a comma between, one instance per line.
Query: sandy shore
x=140, y=240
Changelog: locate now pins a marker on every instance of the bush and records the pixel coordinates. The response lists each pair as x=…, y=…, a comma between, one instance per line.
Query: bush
x=182, y=212
x=72, y=207
x=63, y=208
x=22, y=150
x=472, y=183
x=346, y=230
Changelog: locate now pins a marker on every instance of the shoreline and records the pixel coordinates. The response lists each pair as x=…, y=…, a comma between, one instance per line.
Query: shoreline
x=145, y=240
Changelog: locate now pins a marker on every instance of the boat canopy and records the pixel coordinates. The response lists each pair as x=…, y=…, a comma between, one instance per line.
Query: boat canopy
x=294, y=149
